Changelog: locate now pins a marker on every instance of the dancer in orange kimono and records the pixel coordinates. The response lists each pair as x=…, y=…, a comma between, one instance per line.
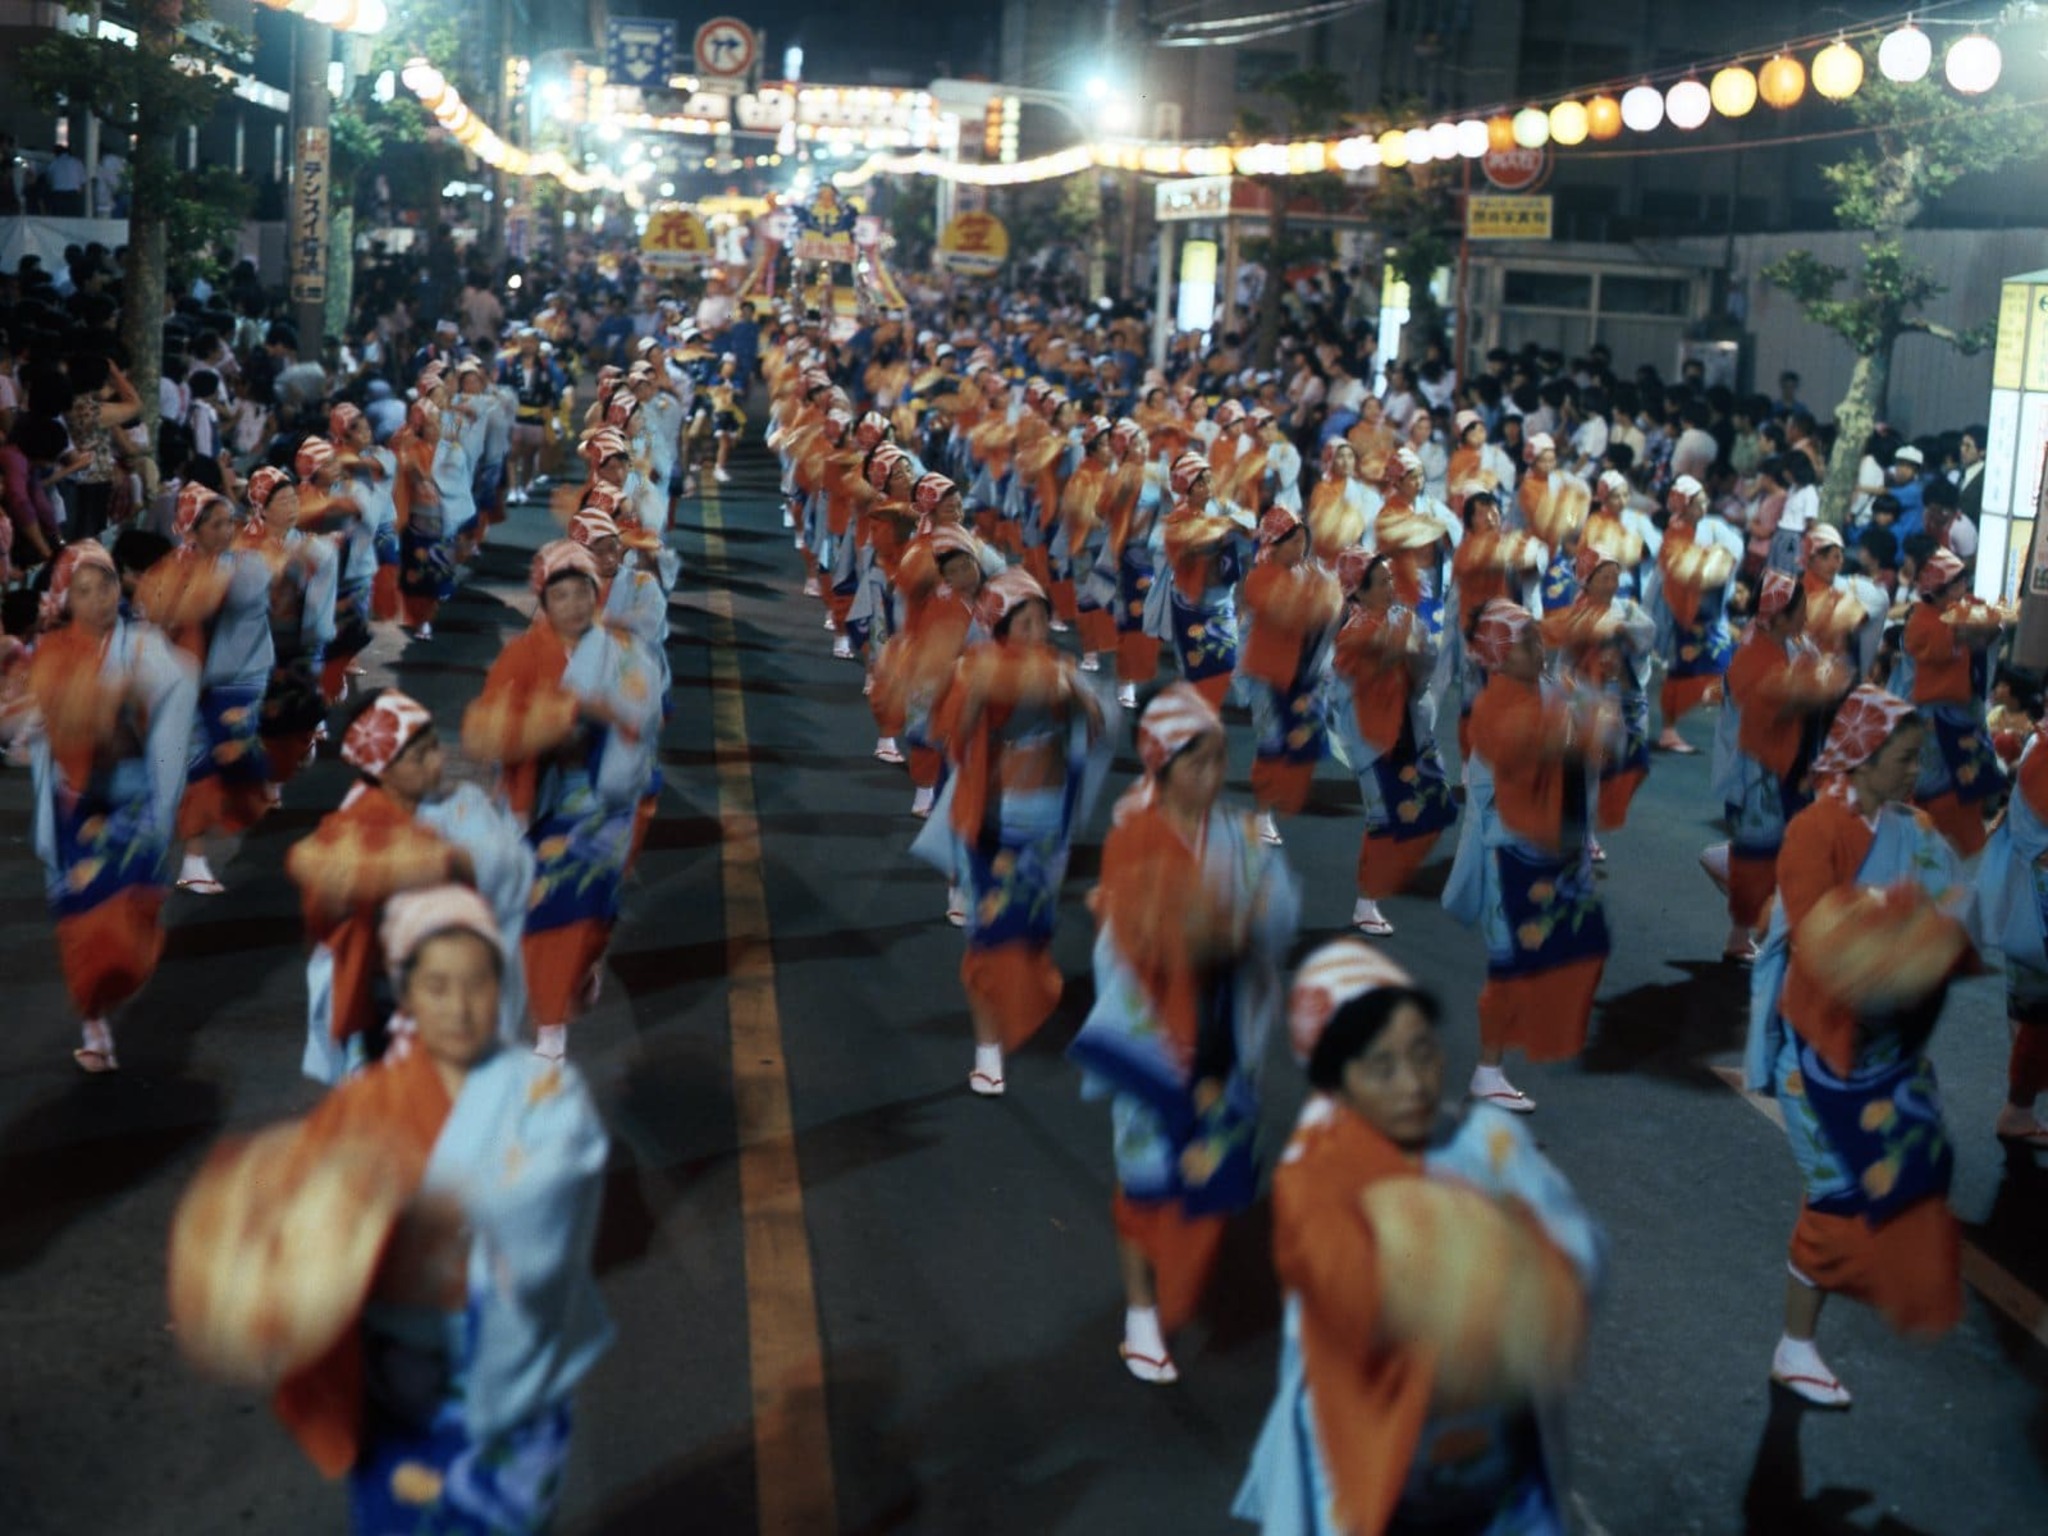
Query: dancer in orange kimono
x=212, y=599
x=1524, y=875
x=1871, y=927
x=1948, y=637
x=571, y=709
x=1136, y=487
x=1195, y=913
x=1385, y=655
x=1292, y=604
x=1391, y=1417
x=1018, y=727
x=1208, y=546
x=118, y=707
x=1085, y=508
x=1341, y=506
x=1699, y=556
x=1781, y=689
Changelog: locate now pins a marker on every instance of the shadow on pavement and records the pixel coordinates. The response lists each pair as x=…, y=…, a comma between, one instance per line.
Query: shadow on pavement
x=79, y=1150
x=1670, y=1031
x=1776, y=1502
x=709, y=1492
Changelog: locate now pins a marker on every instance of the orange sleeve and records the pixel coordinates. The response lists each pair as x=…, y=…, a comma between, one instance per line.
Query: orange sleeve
x=1324, y=1252
x=1810, y=863
x=1822, y=851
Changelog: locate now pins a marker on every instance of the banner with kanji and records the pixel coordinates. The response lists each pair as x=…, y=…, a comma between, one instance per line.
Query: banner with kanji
x=675, y=237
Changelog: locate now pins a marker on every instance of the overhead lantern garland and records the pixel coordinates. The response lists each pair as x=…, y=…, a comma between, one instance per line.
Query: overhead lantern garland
x=1729, y=87
x=1781, y=82
x=446, y=106
x=1532, y=128
x=1569, y=124
x=1642, y=108
x=1973, y=64
x=1837, y=71
x=1688, y=104
x=1905, y=55
x=1733, y=91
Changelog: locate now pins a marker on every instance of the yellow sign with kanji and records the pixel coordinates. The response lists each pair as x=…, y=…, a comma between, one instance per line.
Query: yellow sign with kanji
x=675, y=237
x=975, y=243
x=1517, y=217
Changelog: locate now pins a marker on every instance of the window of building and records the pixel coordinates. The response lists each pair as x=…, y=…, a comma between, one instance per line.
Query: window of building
x=1547, y=290
x=1643, y=295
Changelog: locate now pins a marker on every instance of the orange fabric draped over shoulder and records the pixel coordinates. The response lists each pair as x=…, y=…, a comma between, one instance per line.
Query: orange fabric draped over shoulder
x=1756, y=681
x=1381, y=685
x=1509, y=721
x=401, y=1105
x=1149, y=876
x=1479, y=578
x=1191, y=538
x=533, y=662
x=1825, y=845
x=351, y=934
x=1370, y=1400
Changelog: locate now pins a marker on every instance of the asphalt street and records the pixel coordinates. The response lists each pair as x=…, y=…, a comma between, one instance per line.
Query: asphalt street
x=959, y=1251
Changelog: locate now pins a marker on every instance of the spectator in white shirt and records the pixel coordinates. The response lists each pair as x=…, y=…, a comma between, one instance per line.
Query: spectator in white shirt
x=64, y=186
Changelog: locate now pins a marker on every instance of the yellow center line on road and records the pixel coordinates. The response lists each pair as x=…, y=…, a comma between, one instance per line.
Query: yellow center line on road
x=792, y=1436
x=1998, y=1285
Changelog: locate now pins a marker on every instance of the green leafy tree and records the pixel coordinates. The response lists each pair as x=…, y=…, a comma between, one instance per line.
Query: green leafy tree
x=1924, y=140
x=144, y=91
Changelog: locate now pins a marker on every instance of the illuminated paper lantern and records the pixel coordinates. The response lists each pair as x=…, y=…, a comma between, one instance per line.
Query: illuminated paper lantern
x=1733, y=91
x=1569, y=123
x=1415, y=144
x=1688, y=104
x=1500, y=133
x=1837, y=71
x=1394, y=149
x=1781, y=82
x=1473, y=139
x=1443, y=141
x=1642, y=108
x=1532, y=128
x=1904, y=55
x=1973, y=64
x=1603, y=117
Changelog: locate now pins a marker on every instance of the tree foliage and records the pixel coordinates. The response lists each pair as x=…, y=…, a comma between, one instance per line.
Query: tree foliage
x=1925, y=139
x=398, y=139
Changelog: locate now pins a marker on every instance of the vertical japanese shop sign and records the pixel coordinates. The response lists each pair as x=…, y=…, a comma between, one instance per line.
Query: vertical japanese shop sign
x=310, y=192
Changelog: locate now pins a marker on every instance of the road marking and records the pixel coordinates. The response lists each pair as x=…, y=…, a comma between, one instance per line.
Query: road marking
x=792, y=1436
x=1999, y=1286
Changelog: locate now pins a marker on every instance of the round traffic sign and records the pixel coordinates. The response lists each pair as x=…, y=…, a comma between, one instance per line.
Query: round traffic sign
x=725, y=48
x=1516, y=170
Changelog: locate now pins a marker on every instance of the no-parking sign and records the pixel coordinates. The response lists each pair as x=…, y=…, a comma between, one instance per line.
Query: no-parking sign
x=725, y=54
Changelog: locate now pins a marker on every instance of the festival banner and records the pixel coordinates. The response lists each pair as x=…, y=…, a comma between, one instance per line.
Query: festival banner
x=675, y=238
x=974, y=243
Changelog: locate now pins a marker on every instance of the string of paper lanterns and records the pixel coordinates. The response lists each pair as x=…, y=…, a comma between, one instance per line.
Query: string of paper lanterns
x=1971, y=66
x=445, y=105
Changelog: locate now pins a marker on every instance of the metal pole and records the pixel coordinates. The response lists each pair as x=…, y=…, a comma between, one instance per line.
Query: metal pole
x=1163, y=320
x=1464, y=358
x=1227, y=278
